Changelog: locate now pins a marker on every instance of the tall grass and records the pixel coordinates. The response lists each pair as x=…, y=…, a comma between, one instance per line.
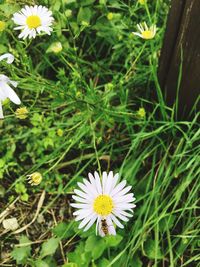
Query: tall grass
x=92, y=91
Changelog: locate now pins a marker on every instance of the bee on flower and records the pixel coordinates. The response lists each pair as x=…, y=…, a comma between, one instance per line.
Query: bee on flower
x=34, y=178
x=103, y=201
x=33, y=20
x=146, y=32
x=6, y=92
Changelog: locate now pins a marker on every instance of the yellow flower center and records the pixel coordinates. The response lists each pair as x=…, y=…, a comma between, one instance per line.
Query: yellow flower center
x=36, y=178
x=103, y=205
x=148, y=34
x=21, y=113
x=33, y=21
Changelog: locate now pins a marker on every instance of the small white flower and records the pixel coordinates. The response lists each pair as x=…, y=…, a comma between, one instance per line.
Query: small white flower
x=145, y=32
x=103, y=201
x=55, y=47
x=5, y=90
x=10, y=58
x=33, y=20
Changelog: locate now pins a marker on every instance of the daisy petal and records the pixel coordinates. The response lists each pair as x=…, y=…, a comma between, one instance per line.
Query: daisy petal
x=86, y=220
x=118, y=188
x=116, y=221
x=90, y=223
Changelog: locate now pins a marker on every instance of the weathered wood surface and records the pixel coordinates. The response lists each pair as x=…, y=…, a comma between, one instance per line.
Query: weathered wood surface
x=182, y=37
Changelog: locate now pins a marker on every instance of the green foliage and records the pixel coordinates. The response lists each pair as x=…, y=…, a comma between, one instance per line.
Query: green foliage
x=40, y=263
x=83, y=107
x=80, y=256
x=70, y=264
x=96, y=246
x=22, y=191
x=49, y=247
x=93, y=250
x=63, y=230
x=113, y=241
x=152, y=250
x=21, y=254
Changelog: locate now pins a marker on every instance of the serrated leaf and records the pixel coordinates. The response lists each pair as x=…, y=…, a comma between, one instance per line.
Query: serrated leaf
x=20, y=254
x=49, y=247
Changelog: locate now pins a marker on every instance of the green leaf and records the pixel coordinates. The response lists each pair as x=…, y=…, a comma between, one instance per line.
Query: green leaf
x=51, y=261
x=49, y=247
x=84, y=14
x=9, y=9
x=113, y=241
x=96, y=246
x=36, y=119
x=3, y=49
x=150, y=250
x=70, y=264
x=87, y=2
x=98, y=249
x=2, y=163
x=136, y=262
x=167, y=223
x=24, y=197
x=79, y=256
x=90, y=243
x=40, y=263
x=20, y=254
x=20, y=188
x=2, y=191
x=103, y=262
x=63, y=230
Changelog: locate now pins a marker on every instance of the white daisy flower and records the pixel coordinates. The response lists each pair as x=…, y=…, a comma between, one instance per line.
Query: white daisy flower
x=145, y=32
x=103, y=201
x=33, y=20
x=9, y=57
x=5, y=90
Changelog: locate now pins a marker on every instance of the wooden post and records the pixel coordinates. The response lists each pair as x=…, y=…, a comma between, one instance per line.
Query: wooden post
x=179, y=66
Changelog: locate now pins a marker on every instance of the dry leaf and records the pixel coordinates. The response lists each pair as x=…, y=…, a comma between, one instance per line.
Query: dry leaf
x=10, y=224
